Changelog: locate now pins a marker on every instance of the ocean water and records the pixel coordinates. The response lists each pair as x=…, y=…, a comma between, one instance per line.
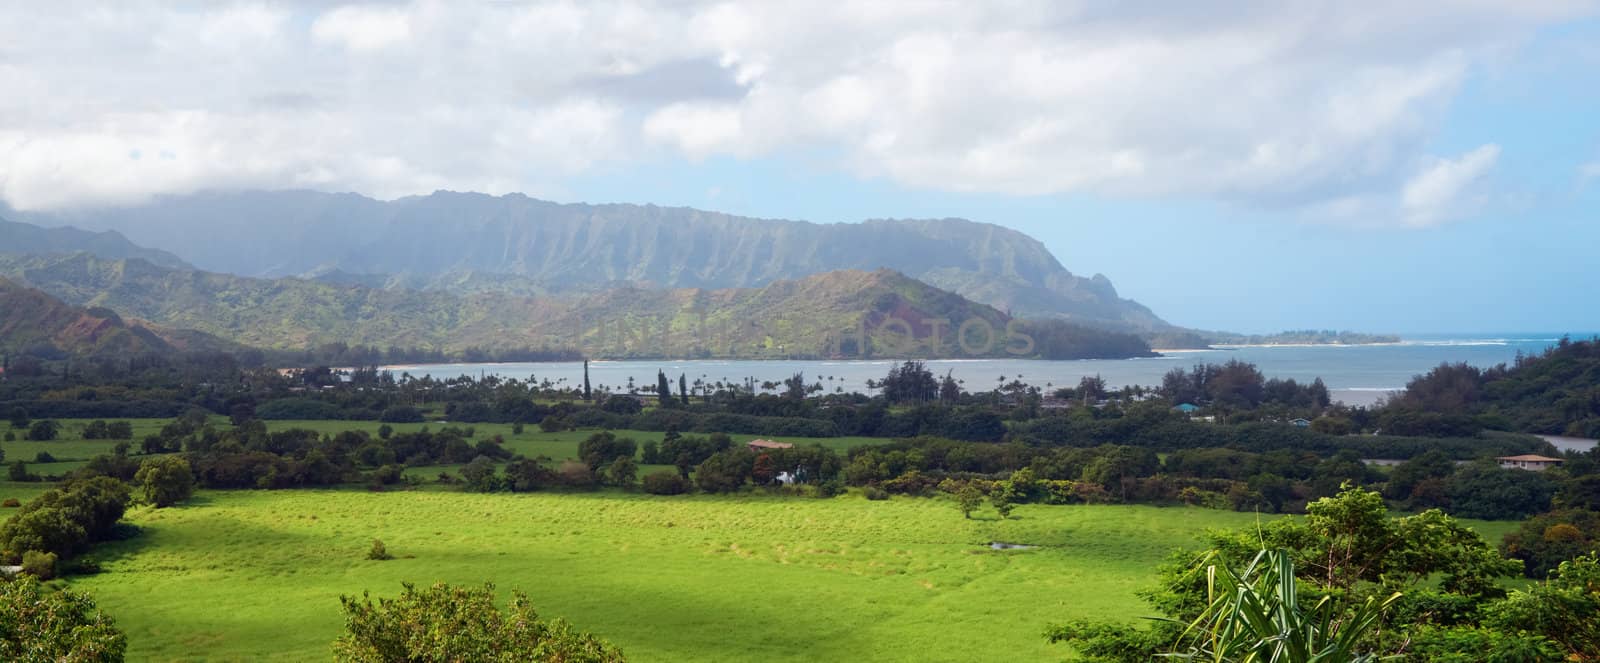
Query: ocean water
x=1357, y=374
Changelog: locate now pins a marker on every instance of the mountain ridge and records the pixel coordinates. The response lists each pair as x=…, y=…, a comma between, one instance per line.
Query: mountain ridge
x=840, y=313
x=26, y=238
x=564, y=247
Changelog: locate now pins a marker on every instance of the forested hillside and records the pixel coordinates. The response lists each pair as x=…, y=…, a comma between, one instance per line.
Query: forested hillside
x=845, y=313
x=35, y=324
x=1554, y=393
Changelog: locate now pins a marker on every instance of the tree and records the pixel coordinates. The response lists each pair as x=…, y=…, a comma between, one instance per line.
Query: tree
x=40, y=625
x=724, y=471
x=445, y=623
x=665, y=482
x=794, y=387
x=526, y=475
x=623, y=472
x=683, y=388
x=969, y=498
x=401, y=414
x=19, y=418
x=1003, y=497
x=587, y=392
x=119, y=430
x=479, y=476
x=620, y=404
x=604, y=447
x=44, y=430
x=1544, y=541
x=1485, y=490
x=1566, y=608
x=909, y=382
x=165, y=480
x=763, y=472
x=949, y=389
x=663, y=390
x=1091, y=388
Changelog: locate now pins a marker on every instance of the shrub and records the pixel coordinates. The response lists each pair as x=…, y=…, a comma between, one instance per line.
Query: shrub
x=44, y=457
x=573, y=474
x=385, y=431
x=830, y=488
x=445, y=623
x=55, y=626
x=516, y=428
x=665, y=482
x=11, y=437
x=388, y=475
x=119, y=430
x=298, y=408
x=44, y=430
x=554, y=424
x=619, y=404
x=378, y=552
x=39, y=564
x=11, y=503
x=401, y=414
x=875, y=493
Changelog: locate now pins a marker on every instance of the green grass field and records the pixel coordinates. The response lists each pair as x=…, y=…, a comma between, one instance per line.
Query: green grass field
x=253, y=575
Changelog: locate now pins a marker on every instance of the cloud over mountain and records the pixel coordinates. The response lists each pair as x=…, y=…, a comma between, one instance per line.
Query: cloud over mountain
x=1277, y=105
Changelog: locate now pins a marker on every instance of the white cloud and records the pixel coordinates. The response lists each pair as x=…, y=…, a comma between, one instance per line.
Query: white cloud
x=1445, y=189
x=1324, y=109
x=1588, y=171
x=363, y=28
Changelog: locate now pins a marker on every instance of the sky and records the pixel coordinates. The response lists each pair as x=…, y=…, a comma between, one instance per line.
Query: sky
x=1249, y=166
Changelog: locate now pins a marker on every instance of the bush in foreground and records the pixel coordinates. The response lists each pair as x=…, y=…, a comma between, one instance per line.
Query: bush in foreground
x=445, y=623
x=39, y=625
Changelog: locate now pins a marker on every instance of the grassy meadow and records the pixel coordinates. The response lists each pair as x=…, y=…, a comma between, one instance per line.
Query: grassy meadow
x=252, y=575
x=256, y=575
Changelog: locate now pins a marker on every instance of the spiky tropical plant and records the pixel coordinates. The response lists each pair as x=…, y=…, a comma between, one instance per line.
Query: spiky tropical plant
x=1256, y=617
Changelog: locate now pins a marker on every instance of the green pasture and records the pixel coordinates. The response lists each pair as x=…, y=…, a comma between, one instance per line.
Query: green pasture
x=253, y=575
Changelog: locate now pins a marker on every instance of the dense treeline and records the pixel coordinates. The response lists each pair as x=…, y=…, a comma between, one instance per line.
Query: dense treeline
x=1556, y=392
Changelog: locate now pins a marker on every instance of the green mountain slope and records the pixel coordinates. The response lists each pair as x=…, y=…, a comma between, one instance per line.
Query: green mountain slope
x=564, y=248
x=35, y=323
x=842, y=313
